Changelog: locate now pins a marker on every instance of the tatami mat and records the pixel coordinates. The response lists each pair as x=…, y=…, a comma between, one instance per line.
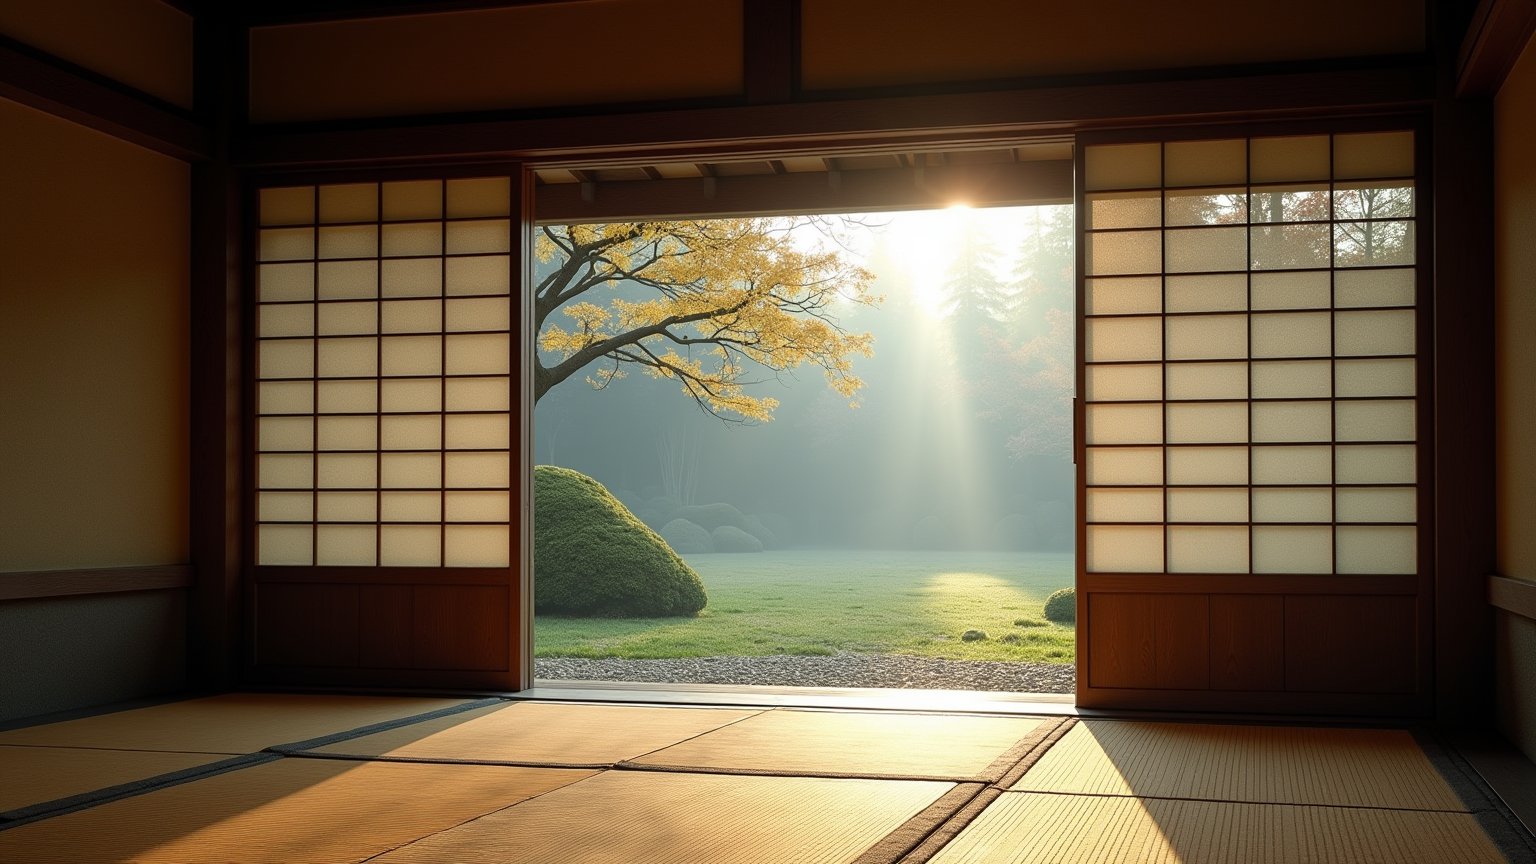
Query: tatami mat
x=639, y=817
x=1024, y=827
x=233, y=724
x=865, y=744
x=290, y=811
x=1267, y=764
x=34, y=775
x=542, y=732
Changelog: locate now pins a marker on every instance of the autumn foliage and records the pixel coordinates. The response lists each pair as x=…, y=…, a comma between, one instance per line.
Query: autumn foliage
x=715, y=305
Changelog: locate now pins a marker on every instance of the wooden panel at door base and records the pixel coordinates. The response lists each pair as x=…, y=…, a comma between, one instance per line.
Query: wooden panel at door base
x=383, y=634
x=1273, y=654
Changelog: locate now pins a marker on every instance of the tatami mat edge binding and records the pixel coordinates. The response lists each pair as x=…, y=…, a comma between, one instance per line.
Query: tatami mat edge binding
x=1503, y=829
x=382, y=726
x=995, y=771
x=909, y=834
x=926, y=833
x=448, y=760
x=1501, y=824
x=938, y=835
x=85, y=800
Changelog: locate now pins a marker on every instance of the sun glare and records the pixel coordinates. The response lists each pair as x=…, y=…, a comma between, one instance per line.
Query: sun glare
x=923, y=242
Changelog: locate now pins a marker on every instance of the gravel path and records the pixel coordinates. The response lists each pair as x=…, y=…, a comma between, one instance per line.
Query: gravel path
x=839, y=670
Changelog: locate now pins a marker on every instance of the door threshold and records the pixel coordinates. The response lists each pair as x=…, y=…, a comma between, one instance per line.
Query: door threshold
x=760, y=696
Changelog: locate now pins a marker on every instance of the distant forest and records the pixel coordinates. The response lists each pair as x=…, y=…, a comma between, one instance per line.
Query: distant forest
x=961, y=439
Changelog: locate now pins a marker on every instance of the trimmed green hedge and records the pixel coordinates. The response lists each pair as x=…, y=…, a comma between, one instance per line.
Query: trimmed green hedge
x=712, y=516
x=593, y=558
x=1061, y=606
x=729, y=538
x=686, y=538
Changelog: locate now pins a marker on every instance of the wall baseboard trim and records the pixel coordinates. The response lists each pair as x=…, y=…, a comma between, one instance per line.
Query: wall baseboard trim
x=1513, y=595
x=103, y=580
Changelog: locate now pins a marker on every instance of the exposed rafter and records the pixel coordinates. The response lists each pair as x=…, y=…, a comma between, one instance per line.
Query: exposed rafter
x=50, y=84
x=994, y=184
x=1499, y=32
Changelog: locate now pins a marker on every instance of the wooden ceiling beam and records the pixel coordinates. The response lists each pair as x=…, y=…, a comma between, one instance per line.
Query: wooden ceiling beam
x=55, y=86
x=997, y=184
x=274, y=13
x=1499, y=32
x=770, y=35
x=820, y=126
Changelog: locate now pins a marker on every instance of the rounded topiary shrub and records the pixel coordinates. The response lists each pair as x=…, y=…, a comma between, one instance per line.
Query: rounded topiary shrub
x=729, y=538
x=657, y=512
x=1061, y=606
x=754, y=526
x=686, y=538
x=712, y=516
x=593, y=558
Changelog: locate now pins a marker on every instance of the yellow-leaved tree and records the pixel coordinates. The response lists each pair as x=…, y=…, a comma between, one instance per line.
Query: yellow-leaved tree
x=712, y=304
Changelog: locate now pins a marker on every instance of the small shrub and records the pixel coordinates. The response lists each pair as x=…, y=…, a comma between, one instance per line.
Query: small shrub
x=1026, y=622
x=686, y=538
x=754, y=526
x=593, y=558
x=973, y=636
x=729, y=538
x=712, y=516
x=657, y=512
x=1010, y=638
x=1061, y=606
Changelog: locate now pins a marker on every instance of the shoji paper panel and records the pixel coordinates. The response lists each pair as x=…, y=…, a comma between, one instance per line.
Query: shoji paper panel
x=384, y=324
x=1249, y=354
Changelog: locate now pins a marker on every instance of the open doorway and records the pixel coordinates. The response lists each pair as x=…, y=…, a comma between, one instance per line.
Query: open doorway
x=865, y=471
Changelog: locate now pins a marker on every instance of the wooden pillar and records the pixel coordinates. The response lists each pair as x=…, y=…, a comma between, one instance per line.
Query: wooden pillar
x=215, y=359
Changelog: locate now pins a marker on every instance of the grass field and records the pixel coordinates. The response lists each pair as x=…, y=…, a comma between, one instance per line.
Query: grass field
x=825, y=601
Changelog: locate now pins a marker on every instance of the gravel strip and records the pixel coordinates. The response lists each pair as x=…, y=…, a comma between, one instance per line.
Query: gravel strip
x=838, y=670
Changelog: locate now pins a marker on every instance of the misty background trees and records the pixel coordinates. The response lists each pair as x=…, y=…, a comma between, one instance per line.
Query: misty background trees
x=961, y=438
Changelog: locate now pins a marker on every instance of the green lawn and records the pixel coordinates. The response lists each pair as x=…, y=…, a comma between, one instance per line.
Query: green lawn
x=824, y=601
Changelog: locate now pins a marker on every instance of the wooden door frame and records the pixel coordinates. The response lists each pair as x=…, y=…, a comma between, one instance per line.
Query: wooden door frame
x=1333, y=98
x=1422, y=586
x=519, y=659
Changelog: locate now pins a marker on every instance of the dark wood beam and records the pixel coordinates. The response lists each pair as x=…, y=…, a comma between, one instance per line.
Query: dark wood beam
x=858, y=191
x=189, y=8
x=1498, y=33
x=1461, y=439
x=58, y=87
x=771, y=38
x=820, y=126
x=217, y=339
x=270, y=13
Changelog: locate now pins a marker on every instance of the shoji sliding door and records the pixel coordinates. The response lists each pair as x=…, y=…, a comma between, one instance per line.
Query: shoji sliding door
x=1250, y=441
x=385, y=462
